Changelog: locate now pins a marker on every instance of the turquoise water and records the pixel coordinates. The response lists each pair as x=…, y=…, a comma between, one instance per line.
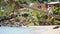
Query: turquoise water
x=19, y=30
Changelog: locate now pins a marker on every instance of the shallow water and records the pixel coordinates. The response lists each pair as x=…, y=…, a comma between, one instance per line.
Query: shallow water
x=28, y=30
x=18, y=30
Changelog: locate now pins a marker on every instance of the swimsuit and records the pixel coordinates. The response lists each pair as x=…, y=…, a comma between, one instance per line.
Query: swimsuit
x=50, y=10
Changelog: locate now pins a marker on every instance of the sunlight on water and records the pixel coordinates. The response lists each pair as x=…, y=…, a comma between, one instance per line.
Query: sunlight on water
x=29, y=30
x=18, y=30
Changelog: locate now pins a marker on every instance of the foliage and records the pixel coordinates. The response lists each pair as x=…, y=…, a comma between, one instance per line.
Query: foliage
x=34, y=17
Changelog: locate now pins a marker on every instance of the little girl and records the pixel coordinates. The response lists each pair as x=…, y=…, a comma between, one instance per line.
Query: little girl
x=50, y=13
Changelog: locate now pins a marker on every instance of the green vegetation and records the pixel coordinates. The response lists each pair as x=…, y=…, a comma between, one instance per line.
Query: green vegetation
x=34, y=18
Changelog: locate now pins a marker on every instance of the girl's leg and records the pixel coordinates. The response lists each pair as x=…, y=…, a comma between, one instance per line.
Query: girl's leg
x=48, y=20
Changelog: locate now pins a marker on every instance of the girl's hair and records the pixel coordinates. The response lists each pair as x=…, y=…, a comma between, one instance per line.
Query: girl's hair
x=49, y=5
